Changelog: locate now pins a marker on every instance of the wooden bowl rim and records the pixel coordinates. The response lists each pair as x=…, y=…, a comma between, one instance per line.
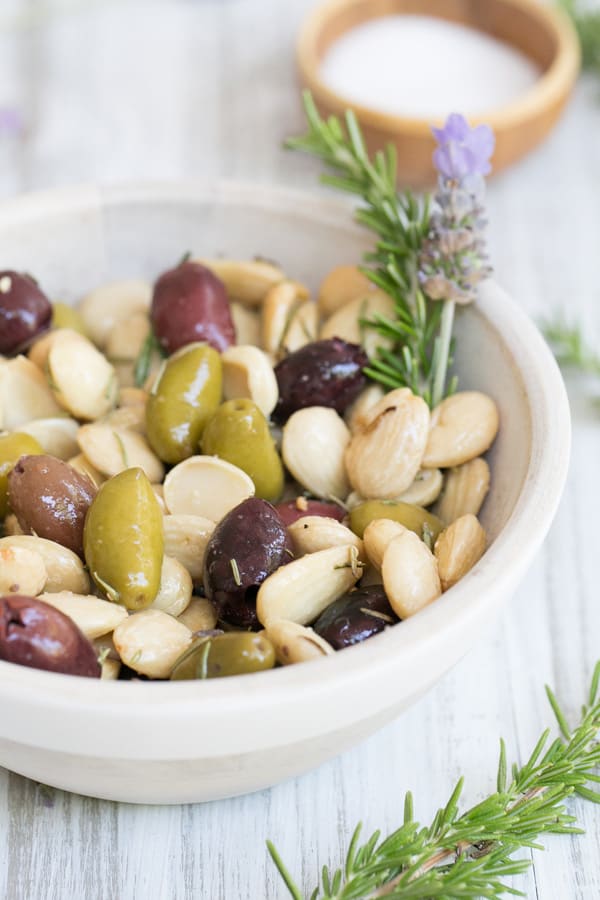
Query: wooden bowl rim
x=552, y=86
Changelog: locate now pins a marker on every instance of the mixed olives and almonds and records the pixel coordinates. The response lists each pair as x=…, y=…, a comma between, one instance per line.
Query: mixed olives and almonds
x=241, y=500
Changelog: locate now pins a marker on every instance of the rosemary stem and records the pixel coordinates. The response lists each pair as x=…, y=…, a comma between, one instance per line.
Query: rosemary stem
x=445, y=338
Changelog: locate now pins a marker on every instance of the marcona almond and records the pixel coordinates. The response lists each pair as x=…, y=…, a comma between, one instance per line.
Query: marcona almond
x=295, y=643
x=111, y=303
x=65, y=570
x=281, y=302
x=425, y=488
x=57, y=436
x=132, y=396
x=39, y=350
x=93, y=616
x=83, y=380
x=159, y=493
x=186, y=538
x=206, y=486
x=384, y=457
x=355, y=414
x=410, y=575
x=11, y=525
x=150, y=642
x=458, y=548
x=302, y=328
x=112, y=449
x=200, y=615
x=340, y=286
x=462, y=427
x=247, y=325
x=346, y=322
x=313, y=446
x=22, y=571
x=126, y=337
x=107, y=657
x=24, y=394
x=245, y=280
x=302, y=589
x=378, y=534
x=247, y=372
x=312, y=533
x=465, y=489
x=132, y=418
x=175, y=591
x=82, y=464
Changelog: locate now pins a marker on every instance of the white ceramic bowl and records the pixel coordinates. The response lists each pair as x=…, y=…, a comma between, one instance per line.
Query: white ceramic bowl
x=191, y=741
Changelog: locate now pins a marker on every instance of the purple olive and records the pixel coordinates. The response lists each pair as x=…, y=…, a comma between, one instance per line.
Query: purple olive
x=50, y=499
x=190, y=304
x=24, y=311
x=355, y=617
x=292, y=510
x=324, y=373
x=34, y=634
x=247, y=545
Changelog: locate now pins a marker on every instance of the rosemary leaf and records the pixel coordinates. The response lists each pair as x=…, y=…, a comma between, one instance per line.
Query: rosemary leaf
x=470, y=854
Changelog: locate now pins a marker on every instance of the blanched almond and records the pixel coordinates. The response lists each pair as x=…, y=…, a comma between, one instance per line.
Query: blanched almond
x=355, y=414
x=126, y=337
x=186, y=538
x=206, y=486
x=200, y=615
x=302, y=328
x=465, y=489
x=410, y=575
x=83, y=380
x=64, y=569
x=425, y=488
x=312, y=533
x=346, y=322
x=132, y=396
x=295, y=643
x=24, y=394
x=384, y=457
x=458, y=548
x=112, y=302
x=245, y=280
x=280, y=304
x=92, y=615
x=313, y=446
x=341, y=285
x=112, y=449
x=462, y=427
x=378, y=535
x=57, y=436
x=247, y=372
x=150, y=642
x=22, y=571
x=247, y=325
x=302, y=589
x=175, y=591
x=82, y=464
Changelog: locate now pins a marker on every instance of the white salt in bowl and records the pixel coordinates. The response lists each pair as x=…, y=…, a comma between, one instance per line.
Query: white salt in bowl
x=190, y=741
x=539, y=31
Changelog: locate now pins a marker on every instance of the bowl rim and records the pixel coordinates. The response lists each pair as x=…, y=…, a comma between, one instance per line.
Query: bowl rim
x=554, y=83
x=134, y=705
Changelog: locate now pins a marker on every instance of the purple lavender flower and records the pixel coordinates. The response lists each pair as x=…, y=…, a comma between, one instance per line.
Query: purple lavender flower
x=462, y=150
x=11, y=121
x=453, y=259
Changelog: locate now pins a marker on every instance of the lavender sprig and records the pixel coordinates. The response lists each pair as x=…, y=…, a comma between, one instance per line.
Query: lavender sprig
x=421, y=256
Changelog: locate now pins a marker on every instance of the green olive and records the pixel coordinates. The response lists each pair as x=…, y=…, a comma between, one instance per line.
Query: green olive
x=239, y=433
x=233, y=653
x=186, y=394
x=413, y=517
x=12, y=447
x=65, y=316
x=123, y=540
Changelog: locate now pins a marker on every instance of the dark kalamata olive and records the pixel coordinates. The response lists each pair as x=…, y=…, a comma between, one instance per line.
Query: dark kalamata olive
x=34, y=634
x=355, y=617
x=324, y=373
x=25, y=311
x=293, y=510
x=190, y=304
x=50, y=499
x=247, y=545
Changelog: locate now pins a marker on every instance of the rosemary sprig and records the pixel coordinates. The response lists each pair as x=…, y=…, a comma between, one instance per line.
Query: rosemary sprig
x=587, y=25
x=143, y=362
x=400, y=222
x=470, y=854
x=569, y=346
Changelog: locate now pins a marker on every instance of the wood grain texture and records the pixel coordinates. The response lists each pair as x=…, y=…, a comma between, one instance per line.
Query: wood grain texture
x=115, y=91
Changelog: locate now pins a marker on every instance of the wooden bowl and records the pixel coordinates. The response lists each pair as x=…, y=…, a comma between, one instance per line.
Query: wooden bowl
x=542, y=33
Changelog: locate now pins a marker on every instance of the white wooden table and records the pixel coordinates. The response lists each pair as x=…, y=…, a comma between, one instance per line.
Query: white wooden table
x=121, y=90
